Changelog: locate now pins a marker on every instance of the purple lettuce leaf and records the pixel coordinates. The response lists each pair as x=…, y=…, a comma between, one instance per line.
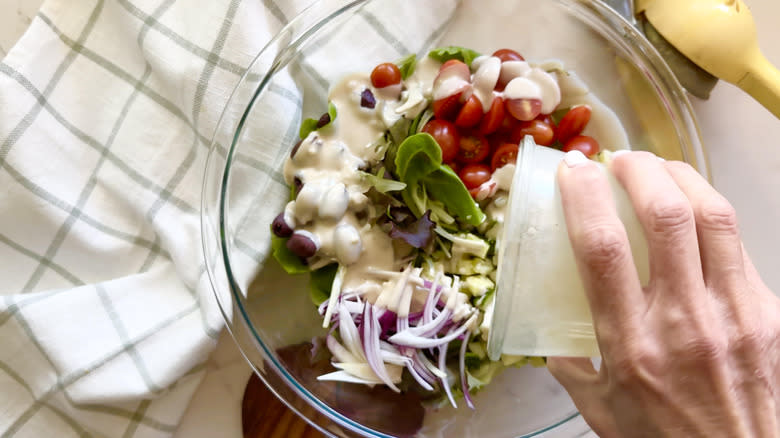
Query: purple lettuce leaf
x=418, y=234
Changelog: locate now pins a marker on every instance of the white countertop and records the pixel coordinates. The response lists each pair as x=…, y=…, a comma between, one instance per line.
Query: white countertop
x=743, y=142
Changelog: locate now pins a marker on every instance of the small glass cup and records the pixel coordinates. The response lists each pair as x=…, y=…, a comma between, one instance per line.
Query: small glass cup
x=541, y=308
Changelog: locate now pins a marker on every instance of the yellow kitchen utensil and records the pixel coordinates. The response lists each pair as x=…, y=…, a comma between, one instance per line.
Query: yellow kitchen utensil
x=720, y=37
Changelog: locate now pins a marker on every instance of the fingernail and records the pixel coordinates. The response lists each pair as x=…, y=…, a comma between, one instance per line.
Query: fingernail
x=660, y=159
x=575, y=158
x=620, y=152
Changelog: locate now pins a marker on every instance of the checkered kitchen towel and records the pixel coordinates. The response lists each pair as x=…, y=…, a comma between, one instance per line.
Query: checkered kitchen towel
x=107, y=108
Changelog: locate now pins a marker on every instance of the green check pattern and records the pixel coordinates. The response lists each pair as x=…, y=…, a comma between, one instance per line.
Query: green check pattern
x=107, y=108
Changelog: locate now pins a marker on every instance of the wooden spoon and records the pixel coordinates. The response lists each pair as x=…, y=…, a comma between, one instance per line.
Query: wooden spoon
x=265, y=416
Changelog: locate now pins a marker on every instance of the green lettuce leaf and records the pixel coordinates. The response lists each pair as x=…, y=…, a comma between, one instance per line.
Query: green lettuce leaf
x=310, y=125
x=320, y=282
x=382, y=185
x=444, y=54
x=407, y=65
x=291, y=263
x=418, y=164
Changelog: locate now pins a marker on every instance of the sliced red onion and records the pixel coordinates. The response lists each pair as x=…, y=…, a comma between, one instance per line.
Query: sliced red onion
x=415, y=317
x=464, y=385
x=411, y=340
x=371, y=346
x=338, y=351
x=388, y=320
x=431, y=328
x=422, y=368
x=343, y=376
x=364, y=371
x=397, y=359
x=401, y=324
x=350, y=335
x=430, y=285
x=352, y=307
x=445, y=380
x=430, y=366
x=430, y=301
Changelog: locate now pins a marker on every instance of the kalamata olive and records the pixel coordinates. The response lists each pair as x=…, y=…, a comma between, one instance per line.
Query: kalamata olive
x=280, y=227
x=324, y=120
x=302, y=244
x=367, y=99
x=298, y=184
x=295, y=149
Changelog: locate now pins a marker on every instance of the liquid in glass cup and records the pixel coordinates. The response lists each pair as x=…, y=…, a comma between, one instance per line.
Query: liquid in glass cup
x=541, y=308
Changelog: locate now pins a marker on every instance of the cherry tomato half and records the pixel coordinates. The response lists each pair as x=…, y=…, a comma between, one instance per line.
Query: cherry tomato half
x=508, y=55
x=524, y=109
x=446, y=135
x=474, y=148
x=448, y=107
x=505, y=154
x=542, y=133
x=493, y=118
x=573, y=123
x=471, y=113
x=385, y=74
x=587, y=145
x=473, y=175
x=453, y=62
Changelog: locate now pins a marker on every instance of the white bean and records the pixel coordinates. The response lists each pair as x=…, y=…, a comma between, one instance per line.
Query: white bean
x=348, y=244
x=307, y=202
x=334, y=202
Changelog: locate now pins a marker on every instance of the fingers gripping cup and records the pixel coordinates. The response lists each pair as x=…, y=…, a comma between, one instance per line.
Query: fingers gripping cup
x=541, y=308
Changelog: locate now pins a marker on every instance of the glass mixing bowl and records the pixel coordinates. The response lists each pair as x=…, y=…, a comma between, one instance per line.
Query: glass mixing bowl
x=269, y=313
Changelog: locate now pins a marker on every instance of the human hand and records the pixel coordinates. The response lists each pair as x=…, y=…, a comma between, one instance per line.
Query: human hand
x=696, y=352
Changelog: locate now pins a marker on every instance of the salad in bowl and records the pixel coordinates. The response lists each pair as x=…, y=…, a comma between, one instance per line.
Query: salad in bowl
x=398, y=194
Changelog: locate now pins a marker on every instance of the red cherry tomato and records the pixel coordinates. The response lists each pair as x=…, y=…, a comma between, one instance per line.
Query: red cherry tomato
x=493, y=118
x=546, y=118
x=385, y=74
x=542, y=133
x=473, y=175
x=497, y=139
x=452, y=62
x=508, y=124
x=505, y=154
x=508, y=55
x=587, y=145
x=573, y=123
x=524, y=109
x=448, y=107
x=454, y=165
x=446, y=135
x=471, y=113
x=474, y=148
